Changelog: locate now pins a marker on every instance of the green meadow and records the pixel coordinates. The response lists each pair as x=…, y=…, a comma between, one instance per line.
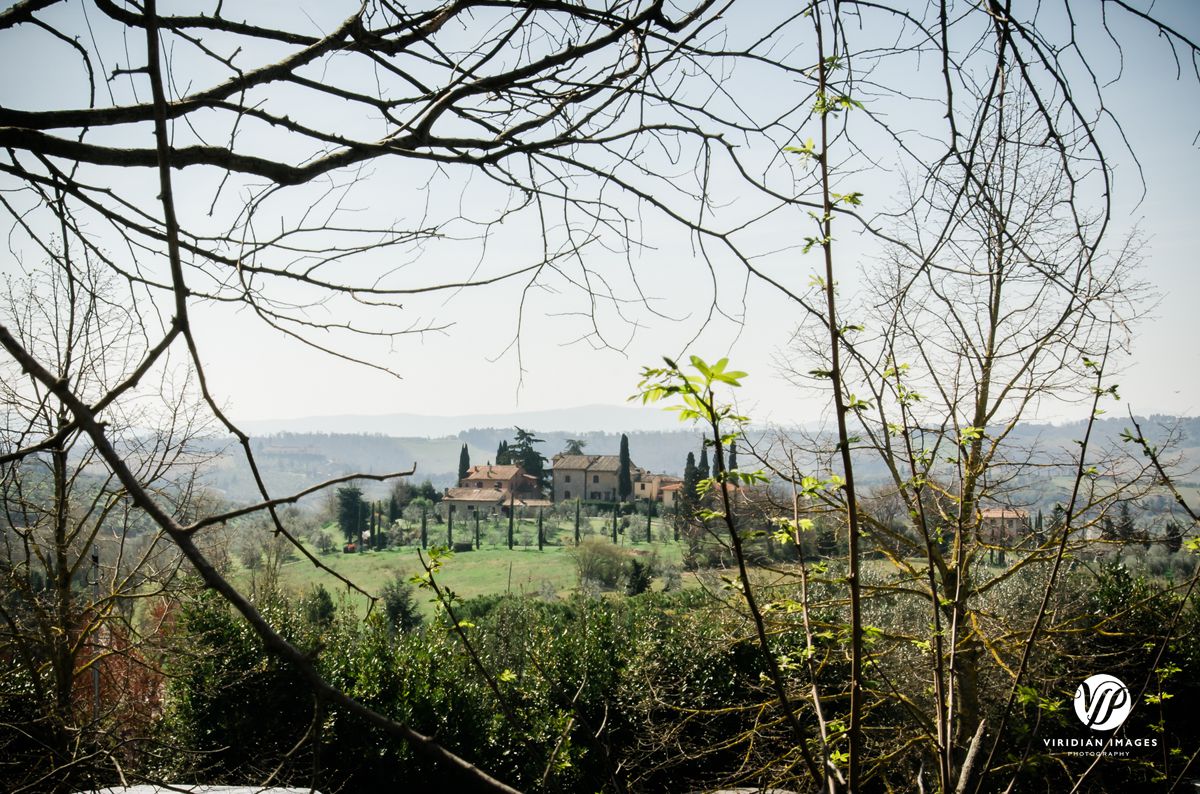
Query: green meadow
x=491, y=569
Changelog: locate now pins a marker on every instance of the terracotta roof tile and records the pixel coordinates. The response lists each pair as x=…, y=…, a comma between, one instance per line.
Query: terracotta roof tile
x=571, y=461
x=492, y=472
x=1003, y=512
x=490, y=495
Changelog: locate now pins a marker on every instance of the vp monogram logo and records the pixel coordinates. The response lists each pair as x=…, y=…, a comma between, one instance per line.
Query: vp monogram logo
x=1102, y=702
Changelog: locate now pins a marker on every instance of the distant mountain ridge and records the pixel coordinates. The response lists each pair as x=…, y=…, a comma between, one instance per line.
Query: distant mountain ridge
x=581, y=419
x=292, y=460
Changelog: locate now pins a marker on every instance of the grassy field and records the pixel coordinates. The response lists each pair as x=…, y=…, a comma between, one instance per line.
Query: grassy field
x=490, y=569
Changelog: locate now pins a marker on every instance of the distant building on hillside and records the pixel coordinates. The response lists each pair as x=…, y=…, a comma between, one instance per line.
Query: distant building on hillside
x=587, y=477
x=1003, y=526
x=651, y=486
x=669, y=494
x=594, y=478
x=487, y=489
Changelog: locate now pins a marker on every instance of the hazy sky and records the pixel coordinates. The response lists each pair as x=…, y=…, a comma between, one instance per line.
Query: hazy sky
x=471, y=365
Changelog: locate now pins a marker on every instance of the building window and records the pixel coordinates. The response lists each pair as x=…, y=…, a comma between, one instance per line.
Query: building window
x=567, y=478
x=595, y=494
x=566, y=494
x=595, y=478
x=641, y=486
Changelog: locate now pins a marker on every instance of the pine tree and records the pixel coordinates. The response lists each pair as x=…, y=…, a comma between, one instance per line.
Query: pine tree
x=402, y=493
x=1107, y=531
x=523, y=454
x=1174, y=537
x=1058, y=517
x=464, y=464
x=625, y=473
x=351, y=515
x=427, y=491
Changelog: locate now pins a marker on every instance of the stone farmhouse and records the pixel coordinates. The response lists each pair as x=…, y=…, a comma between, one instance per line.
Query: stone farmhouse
x=594, y=478
x=1002, y=525
x=488, y=489
x=669, y=494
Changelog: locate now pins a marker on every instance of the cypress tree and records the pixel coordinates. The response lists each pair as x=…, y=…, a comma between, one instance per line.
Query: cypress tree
x=616, y=505
x=476, y=529
x=732, y=455
x=576, y=522
x=624, y=473
x=691, y=476
x=649, y=533
x=464, y=463
x=424, y=528
x=1125, y=526
x=449, y=526
x=702, y=470
x=541, y=537
x=512, y=512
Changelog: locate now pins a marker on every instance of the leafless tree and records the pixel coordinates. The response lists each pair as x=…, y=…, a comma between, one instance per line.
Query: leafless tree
x=77, y=554
x=1001, y=292
x=206, y=160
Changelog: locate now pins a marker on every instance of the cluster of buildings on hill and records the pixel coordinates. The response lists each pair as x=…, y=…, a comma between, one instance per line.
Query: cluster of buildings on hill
x=588, y=478
x=500, y=489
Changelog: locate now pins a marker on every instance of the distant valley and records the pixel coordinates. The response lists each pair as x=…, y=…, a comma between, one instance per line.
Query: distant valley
x=293, y=459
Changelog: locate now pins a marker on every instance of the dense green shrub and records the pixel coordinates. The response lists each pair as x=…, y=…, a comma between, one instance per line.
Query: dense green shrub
x=663, y=691
x=400, y=604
